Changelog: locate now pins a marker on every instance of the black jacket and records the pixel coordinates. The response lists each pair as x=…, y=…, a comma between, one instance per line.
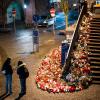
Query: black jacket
x=8, y=69
x=21, y=72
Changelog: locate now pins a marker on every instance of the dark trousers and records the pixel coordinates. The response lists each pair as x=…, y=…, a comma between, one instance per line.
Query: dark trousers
x=23, y=85
x=9, y=83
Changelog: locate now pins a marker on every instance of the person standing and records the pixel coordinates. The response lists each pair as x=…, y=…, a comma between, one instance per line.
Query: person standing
x=7, y=71
x=22, y=72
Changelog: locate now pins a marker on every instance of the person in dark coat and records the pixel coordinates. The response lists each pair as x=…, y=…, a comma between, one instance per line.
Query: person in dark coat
x=7, y=71
x=22, y=77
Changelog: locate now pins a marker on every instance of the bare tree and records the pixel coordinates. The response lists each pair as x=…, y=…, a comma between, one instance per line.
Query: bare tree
x=64, y=7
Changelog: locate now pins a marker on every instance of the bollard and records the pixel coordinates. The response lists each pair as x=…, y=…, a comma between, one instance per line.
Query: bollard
x=64, y=49
x=35, y=40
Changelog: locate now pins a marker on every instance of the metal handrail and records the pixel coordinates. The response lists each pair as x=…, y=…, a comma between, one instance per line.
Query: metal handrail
x=73, y=41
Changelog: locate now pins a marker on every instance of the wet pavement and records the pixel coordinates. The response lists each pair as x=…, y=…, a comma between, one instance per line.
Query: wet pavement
x=19, y=46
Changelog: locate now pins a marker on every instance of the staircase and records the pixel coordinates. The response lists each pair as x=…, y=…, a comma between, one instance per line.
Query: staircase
x=94, y=48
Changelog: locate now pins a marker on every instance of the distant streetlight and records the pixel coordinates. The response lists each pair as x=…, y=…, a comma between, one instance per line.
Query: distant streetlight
x=74, y=4
x=25, y=6
x=77, y=5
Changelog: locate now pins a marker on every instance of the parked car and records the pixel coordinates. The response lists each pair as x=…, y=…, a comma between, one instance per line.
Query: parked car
x=42, y=21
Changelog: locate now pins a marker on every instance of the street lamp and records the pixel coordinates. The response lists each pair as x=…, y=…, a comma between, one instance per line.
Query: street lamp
x=25, y=6
x=74, y=4
x=77, y=5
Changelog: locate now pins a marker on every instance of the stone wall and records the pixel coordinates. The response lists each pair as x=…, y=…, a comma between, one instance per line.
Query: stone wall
x=29, y=11
x=42, y=7
x=0, y=61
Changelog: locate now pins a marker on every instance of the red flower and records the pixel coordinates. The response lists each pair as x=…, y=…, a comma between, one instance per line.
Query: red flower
x=86, y=70
x=72, y=88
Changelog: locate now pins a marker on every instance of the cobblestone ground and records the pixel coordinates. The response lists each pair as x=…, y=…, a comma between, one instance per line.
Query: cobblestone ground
x=18, y=49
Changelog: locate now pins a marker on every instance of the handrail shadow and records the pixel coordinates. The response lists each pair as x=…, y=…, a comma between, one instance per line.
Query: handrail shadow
x=3, y=96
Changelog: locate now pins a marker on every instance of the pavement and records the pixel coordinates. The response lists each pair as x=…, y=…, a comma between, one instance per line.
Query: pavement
x=19, y=46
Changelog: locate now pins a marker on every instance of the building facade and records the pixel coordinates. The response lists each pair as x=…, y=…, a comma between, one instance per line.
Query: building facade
x=25, y=9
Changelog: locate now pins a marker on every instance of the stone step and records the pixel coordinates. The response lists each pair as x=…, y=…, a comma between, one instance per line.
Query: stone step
x=93, y=50
x=96, y=37
x=95, y=77
x=94, y=58
x=95, y=62
x=95, y=82
x=94, y=28
x=90, y=44
x=95, y=34
x=93, y=43
x=95, y=23
x=93, y=47
x=94, y=40
x=96, y=16
x=94, y=31
x=97, y=73
x=95, y=20
x=97, y=55
x=95, y=67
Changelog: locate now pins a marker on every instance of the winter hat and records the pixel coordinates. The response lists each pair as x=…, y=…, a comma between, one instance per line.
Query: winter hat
x=20, y=63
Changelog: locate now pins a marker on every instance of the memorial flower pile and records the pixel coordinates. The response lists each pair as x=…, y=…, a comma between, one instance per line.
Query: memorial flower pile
x=48, y=77
x=49, y=74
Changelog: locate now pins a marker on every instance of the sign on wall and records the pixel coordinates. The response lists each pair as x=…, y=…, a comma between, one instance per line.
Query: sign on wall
x=13, y=12
x=52, y=12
